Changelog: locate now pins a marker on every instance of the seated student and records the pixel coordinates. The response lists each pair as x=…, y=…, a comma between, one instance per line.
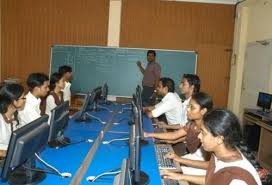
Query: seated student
x=11, y=100
x=38, y=88
x=200, y=104
x=189, y=85
x=66, y=72
x=170, y=105
x=55, y=96
x=221, y=134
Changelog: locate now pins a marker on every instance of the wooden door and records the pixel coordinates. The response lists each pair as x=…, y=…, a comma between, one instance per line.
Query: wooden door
x=213, y=69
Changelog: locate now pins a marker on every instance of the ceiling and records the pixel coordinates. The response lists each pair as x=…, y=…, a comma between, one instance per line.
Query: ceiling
x=210, y=1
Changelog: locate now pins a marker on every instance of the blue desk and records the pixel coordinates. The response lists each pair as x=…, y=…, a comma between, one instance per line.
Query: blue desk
x=107, y=157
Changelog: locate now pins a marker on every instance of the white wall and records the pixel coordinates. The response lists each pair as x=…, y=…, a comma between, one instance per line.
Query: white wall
x=253, y=23
x=114, y=22
x=260, y=24
x=257, y=76
x=0, y=39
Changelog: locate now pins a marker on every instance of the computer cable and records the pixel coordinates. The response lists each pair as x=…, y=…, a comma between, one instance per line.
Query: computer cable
x=112, y=172
x=113, y=140
x=102, y=107
x=96, y=118
x=62, y=174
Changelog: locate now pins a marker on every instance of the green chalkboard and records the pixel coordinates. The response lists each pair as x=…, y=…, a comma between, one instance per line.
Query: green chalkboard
x=93, y=66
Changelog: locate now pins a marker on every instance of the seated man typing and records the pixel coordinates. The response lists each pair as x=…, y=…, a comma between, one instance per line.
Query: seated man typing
x=170, y=105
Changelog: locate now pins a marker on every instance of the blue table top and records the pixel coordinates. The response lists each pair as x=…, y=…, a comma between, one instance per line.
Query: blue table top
x=107, y=156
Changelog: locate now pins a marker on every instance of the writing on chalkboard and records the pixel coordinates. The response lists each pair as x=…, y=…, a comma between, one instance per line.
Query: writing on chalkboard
x=93, y=66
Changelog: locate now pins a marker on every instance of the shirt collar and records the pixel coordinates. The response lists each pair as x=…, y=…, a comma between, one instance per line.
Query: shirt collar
x=31, y=98
x=187, y=100
x=67, y=84
x=167, y=94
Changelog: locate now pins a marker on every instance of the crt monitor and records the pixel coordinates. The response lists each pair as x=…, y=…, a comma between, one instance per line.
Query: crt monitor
x=24, y=143
x=138, y=176
x=58, y=122
x=264, y=101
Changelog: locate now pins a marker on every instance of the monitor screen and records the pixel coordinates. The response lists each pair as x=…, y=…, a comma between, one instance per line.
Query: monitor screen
x=139, y=97
x=140, y=123
x=137, y=116
x=124, y=178
x=135, y=142
x=105, y=91
x=132, y=136
x=95, y=96
x=58, y=122
x=82, y=116
x=24, y=143
x=134, y=153
x=90, y=99
x=264, y=100
x=140, y=108
x=135, y=111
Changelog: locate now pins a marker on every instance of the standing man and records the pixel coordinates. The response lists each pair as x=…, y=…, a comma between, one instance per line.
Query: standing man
x=152, y=74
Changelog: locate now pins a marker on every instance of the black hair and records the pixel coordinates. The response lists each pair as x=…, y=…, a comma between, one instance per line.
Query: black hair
x=5, y=102
x=13, y=91
x=65, y=69
x=193, y=80
x=222, y=122
x=169, y=83
x=203, y=100
x=151, y=52
x=54, y=78
x=36, y=80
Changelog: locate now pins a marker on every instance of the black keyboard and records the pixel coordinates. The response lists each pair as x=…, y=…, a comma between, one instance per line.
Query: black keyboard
x=161, y=151
x=170, y=182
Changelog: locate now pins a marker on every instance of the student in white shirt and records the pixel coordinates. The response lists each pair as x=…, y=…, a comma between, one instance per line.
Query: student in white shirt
x=220, y=134
x=66, y=72
x=55, y=96
x=11, y=100
x=189, y=85
x=38, y=88
x=170, y=105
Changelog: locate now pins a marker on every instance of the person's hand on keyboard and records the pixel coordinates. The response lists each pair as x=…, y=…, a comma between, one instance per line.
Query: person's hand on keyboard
x=167, y=174
x=171, y=155
x=146, y=134
x=147, y=109
x=161, y=124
